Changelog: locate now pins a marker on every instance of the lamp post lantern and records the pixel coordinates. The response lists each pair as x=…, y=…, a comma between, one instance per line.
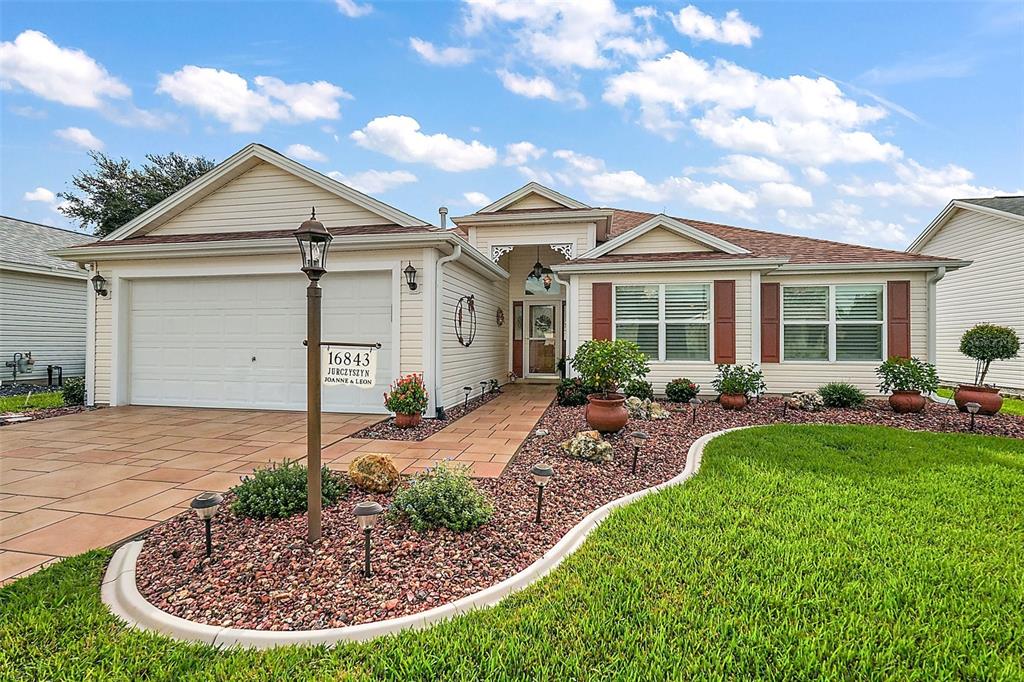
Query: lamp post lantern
x=973, y=408
x=314, y=240
x=205, y=506
x=638, y=438
x=366, y=517
x=542, y=473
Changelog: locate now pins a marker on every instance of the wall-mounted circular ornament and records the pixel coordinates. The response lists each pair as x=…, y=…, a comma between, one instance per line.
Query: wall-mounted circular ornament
x=465, y=320
x=499, y=317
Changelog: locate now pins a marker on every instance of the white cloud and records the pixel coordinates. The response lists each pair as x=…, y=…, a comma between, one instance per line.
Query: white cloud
x=815, y=176
x=519, y=153
x=374, y=181
x=441, y=56
x=539, y=87
x=732, y=30
x=400, y=138
x=228, y=97
x=81, y=137
x=579, y=162
x=59, y=74
x=715, y=196
x=303, y=152
x=476, y=199
x=536, y=175
x=751, y=169
x=849, y=220
x=27, y=111
x=785, y=194
x=353, y=9
x=918, y=185
x=40, y=194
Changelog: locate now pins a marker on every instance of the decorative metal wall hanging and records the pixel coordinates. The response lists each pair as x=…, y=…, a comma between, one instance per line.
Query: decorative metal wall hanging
x=465, y=320
x=499, y=317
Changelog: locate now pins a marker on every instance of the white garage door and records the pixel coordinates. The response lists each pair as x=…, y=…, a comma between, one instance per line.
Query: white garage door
x=237, y=341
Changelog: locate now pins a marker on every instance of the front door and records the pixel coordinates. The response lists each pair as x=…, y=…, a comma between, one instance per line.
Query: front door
x=543, y=339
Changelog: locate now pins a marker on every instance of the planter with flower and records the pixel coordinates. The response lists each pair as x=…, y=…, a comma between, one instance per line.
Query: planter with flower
x=907, y=379
x=407, y=399
x=607, y=365
x=985, y=343
x=736, y=383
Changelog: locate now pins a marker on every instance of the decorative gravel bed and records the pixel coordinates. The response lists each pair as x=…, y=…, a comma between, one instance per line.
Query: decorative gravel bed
x=44, y=413
x=263, y=575
x=386, y=430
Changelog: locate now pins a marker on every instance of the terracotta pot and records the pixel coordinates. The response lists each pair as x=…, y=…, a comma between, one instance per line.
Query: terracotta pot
x=988, y=398
x=732, y=401
x=408, y=421
x=903, y=402
x=606, y=412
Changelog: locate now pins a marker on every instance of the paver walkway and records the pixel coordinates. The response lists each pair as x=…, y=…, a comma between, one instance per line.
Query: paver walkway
x=73, y=483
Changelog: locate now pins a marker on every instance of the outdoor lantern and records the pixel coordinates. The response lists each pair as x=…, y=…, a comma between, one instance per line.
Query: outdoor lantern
x=638, y=438
x=973, y=409
x=542, y=473
x=538, y=268
x=695, y=402
x=313, y=240
x=468, y=390
x=366, y=517
x=205, y=506
x=410, y=276
x=99, y=284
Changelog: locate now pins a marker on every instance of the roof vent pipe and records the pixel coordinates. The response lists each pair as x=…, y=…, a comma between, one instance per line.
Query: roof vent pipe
x=444, y=217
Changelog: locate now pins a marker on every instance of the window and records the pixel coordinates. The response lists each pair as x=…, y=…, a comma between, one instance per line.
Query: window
x=840, y=322
x=667, y=321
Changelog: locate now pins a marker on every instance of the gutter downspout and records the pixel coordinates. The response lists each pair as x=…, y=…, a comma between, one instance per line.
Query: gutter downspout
x=439, y=327
x=570, y=311
x=932, y=280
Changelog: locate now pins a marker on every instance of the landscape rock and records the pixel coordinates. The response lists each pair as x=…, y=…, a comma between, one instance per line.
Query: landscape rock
x=374, y=473
x=805, y=400
x=589, y=446
x=645, y=409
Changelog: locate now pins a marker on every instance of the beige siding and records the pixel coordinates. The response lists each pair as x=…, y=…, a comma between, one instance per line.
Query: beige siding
x=266, y=198
x=44, y=315
x=989, y=290
x=411, y=319
x=104, y=334
x=511, y=235
x=533, y=201
x=487, y=357
x=660, y=240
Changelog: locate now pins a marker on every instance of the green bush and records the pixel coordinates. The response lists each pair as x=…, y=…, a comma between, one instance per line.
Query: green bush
x=681, y=390
x=442, y=497
x=987, y=342
x=74, y=391
x=638, y=388
x=609, y=365
x=839, y=394
x=739, y=380
x=572, y=392
x=277, y=492
x=408, y=395
x=907, y=374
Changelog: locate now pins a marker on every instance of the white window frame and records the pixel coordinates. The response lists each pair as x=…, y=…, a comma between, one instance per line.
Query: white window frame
x=832, y=323
x=661, y=321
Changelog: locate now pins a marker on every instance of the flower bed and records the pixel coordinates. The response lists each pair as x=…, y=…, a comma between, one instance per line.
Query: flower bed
x=386, y=430
x=263, y=574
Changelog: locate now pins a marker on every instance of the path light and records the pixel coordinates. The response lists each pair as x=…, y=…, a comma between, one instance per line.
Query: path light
x=695, y=403
x=468, y=390
x=973, y=409
x=206, y=505
x=542, y=473
x=483, y=387
x=785, y=405
x=366, y=517
x=638, y=438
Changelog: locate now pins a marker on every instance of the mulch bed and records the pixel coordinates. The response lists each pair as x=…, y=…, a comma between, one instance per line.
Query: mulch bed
x=386, y=430
x=263, y=574
x=44, y=413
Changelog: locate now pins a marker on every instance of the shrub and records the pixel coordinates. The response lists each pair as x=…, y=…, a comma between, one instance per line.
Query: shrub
x=907, y=374
x=443, y=497
x=279, y=491
x=74, y=391
x=607, y=365
x=839, y=394
x=985, y=343
x=638, y=388
x=374, y=473
x=407, y=395
x=572, y=392
x=681, y=390
x=739, y=380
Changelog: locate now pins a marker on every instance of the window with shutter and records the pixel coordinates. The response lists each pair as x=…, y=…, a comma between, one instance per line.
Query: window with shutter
x=667, y=321
x=805, y=323
x=841, y=322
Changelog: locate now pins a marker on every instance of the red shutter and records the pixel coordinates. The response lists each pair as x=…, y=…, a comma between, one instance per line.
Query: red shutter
x=725, y=321
x=601, y=317
x=517, y=338
x=898, y=308
x=770, y=318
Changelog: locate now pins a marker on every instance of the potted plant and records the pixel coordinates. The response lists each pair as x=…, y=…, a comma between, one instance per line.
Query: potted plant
x=907, y=379
x=985, y=343
x=407, y=399
x=607, y=365
x=735, y=383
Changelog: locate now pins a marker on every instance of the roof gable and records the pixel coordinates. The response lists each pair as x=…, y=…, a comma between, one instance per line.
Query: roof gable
x=1011, y=208
x=532, y=195
x=687, y=239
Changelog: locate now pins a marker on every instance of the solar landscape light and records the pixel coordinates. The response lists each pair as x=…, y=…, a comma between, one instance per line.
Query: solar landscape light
x=695, y=403
x=205, y=506
x=468, y=390
x=483, y=388
x=638, y=438
x=366, y=516
x=542, y=473
x=973, y=408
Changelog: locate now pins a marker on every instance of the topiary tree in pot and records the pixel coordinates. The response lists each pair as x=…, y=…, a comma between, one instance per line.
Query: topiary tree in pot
x=985, y=343
x=607, y=365
x=907, y=379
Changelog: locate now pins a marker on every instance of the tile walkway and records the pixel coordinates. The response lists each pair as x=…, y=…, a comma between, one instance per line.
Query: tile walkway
x=95, y=479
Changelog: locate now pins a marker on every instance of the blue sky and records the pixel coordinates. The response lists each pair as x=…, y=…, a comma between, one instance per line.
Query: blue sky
x=850, y=121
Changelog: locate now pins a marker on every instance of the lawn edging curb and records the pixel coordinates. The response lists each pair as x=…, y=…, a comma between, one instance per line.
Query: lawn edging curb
x=121, y=595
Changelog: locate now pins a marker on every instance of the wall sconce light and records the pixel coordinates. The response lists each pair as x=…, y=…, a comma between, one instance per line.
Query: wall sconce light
x=410, y=276
x=542, y=473
x=99, y=285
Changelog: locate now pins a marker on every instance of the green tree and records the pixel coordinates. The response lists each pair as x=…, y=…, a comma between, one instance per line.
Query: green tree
x=113, y=192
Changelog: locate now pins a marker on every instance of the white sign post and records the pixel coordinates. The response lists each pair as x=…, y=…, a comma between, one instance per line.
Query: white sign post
x=348, y=366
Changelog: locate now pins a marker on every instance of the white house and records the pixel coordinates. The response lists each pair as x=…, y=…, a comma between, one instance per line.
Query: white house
x=990, y=233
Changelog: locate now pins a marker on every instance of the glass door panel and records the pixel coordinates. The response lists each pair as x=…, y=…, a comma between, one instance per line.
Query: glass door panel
x=543, y=339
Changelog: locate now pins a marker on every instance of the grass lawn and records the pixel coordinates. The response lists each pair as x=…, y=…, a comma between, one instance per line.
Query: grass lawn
x=35, y=401
x=1010, y=405
x=797, y=552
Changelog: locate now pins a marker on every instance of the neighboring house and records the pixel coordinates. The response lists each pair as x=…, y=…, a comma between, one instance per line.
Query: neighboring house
x=206, y=304
x=990, y=233
x=43, y=301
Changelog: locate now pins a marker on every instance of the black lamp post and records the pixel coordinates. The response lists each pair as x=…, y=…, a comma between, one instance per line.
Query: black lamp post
x=410, y=276
x=99, y=284
x=542, y=473
x=314, y=240
x=205, y=506
x=972, y=408
x=694, y=403
x=366, y=517
x=638, y=438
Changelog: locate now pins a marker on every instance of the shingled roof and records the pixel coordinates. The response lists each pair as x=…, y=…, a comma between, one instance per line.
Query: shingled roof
x=25, y=243
x=348, y=230
x=1013, y=205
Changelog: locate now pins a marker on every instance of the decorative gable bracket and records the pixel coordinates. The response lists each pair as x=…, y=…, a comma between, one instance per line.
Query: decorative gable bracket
x=568, y=250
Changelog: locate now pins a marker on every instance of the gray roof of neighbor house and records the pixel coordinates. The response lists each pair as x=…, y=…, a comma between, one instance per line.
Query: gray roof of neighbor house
x=1013, y=205
x=25, y=243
